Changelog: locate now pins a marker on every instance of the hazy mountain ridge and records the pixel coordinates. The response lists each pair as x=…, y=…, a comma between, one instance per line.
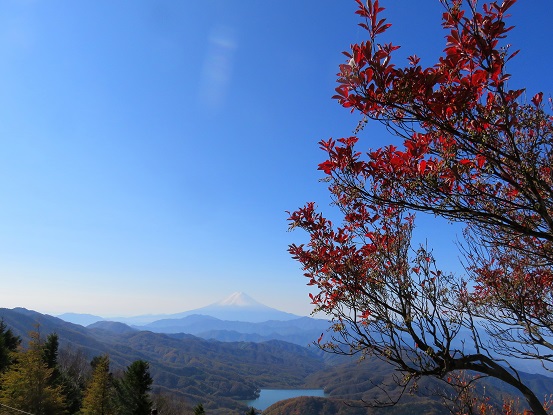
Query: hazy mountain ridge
x=240, y=307
x=81, y=319
x=235, y=318
x=218, y=373
x=240, y=323
x=236, y=307
x=215, y=373
x=111, y=326
x=302, y=330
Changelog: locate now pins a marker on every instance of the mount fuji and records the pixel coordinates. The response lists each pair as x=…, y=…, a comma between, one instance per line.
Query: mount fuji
x=238, y=307
x=241, y=318
x=237, y=317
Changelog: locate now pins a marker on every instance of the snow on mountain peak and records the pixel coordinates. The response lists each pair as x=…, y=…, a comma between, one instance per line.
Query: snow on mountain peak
x=238, y=299
x=241, y=307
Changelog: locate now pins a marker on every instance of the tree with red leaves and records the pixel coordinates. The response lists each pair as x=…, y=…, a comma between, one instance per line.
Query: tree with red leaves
x=472, y=152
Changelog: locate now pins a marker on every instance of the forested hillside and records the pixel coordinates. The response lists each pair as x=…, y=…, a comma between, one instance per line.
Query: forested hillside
x=186, y=370
x=214, y=373
x=333, y=406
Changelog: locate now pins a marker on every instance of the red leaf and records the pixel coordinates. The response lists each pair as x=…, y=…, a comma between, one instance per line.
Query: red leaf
x=422, y=166
x=480, y=160
x=537, y=99
x=327, y=166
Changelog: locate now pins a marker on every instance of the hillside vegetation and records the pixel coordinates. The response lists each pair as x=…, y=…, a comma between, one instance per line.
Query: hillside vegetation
x=220, y=375
x=215, y=373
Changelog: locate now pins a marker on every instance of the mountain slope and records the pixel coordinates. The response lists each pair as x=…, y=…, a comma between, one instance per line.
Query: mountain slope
x=215, y=373
x=374, y=380
x=301, y=331
x=236, y=307
x=218, y=374
x=331, y=406
x=240, y=307
x=82, y=319
x=23, y=321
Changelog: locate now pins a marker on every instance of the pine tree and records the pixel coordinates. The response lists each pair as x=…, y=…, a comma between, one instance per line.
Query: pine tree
x=100, y=393
x=199, y=409
x=27, y=384
x=50, y=350
x=71, y=391
x=133, y=390
x=8, y=344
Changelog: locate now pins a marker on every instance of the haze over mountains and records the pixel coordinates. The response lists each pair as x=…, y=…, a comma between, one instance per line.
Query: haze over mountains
x=236, y=307
x=218, y=374
x=240, y=307
x=239, y=318
x=235, y=318
x=223, y=374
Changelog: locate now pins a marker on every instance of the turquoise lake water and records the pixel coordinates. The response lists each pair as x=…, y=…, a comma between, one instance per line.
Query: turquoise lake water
x=267, y=397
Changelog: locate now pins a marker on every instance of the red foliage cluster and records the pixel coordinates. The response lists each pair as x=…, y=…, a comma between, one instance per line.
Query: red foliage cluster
x=472, y=152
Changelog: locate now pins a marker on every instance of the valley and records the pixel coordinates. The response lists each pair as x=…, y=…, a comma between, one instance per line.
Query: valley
x=224, y=364
x=218, y=374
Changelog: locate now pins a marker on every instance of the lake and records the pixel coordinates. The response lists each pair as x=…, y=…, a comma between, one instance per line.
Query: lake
x=267, y=397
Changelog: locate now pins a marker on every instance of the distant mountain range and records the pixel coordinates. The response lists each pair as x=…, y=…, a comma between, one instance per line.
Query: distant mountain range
x=218, y=374
x=241, y=318
x=302, y=331
x=236, y=307
x=235, y=318
x=222, y=374
x=240, y=307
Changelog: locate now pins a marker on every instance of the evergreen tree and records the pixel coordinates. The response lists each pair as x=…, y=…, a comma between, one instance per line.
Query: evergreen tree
x=99, y=395
x=199, y=409
x=71, y=390
x=27, y=384
x=73, y=393
x=50, y=350
x=133, y=390
x=8, y=344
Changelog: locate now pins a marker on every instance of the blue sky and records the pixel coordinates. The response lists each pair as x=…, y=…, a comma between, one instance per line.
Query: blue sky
x=150, y=149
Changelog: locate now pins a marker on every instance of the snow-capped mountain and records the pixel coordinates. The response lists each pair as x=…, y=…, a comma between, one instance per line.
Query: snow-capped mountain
x=239, y=307
x=236, y=307
x=238, y=299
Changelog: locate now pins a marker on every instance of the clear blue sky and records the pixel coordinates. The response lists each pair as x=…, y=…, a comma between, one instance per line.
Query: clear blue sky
x=150, y=149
